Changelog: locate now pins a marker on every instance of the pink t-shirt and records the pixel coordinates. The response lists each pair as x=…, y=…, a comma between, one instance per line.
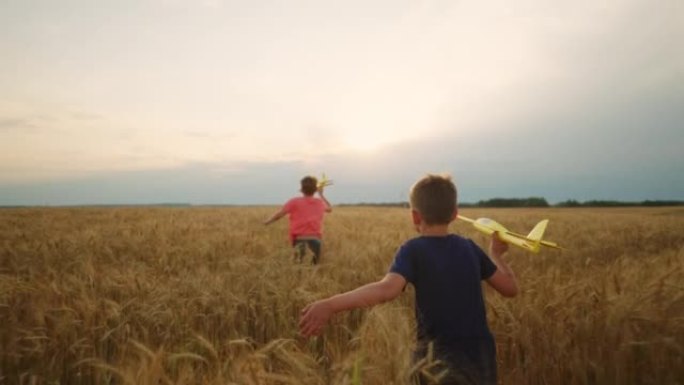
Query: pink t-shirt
x=306, y=216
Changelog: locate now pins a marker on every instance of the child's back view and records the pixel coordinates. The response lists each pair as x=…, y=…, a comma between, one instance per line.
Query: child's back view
x=306, y=218
x=446, y=271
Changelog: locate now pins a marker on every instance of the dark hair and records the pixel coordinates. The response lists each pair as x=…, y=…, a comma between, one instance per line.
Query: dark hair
x=434, y=197
x=309, y=185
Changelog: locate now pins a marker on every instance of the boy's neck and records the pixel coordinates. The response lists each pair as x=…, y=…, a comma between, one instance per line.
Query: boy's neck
x=433, y=230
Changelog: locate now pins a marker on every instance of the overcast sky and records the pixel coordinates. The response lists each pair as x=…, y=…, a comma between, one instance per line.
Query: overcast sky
x=205, y=102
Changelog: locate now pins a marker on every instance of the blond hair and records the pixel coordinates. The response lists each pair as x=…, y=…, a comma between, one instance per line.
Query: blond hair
x=434, y=197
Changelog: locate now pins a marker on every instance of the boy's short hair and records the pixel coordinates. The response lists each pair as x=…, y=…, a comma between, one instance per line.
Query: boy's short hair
x=309, y=185
x=434, y=197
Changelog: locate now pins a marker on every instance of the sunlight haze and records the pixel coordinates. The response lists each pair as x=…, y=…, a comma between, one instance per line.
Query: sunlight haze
x=203, y=102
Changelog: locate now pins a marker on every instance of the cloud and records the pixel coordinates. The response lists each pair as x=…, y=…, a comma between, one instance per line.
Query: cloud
x=52, y=118
x=12, y=124
x=209, y=134
x=84, y=116
x=566, y=100
x=506, y=165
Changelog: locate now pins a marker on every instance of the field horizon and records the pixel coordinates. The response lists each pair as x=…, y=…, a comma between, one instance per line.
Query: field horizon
x=487, y=203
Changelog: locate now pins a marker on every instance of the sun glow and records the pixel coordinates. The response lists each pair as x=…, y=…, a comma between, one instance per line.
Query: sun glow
x=363, y=143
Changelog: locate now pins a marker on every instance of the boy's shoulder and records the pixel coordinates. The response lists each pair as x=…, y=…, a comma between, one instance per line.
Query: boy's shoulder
x=429, y=257
x=304, y=202
x=427, y=240
x=427, y=244
x=449, y=244
x=296, y=199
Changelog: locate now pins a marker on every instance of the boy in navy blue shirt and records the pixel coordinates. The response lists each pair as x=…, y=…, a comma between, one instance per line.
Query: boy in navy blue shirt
x=446, y=271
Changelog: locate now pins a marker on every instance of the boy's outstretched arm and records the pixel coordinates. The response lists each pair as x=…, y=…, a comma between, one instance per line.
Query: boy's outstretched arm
x=315, y=315
x=277, y=215
x=328, y=206
x=503, y=280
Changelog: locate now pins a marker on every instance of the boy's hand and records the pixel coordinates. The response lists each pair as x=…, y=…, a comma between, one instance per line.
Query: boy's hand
x=313, y=317
x=497, y=246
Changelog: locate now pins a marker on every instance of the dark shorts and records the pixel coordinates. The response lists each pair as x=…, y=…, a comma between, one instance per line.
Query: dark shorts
x=300, y=246
x=470, y=363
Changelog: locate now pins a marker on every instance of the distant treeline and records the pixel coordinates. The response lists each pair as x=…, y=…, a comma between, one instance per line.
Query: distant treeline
x=510, y=202
x=602, y=203
x=537, y=202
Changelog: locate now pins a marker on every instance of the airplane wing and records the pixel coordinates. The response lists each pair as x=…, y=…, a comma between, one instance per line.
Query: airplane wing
x=461, y=217
x=542, y=242
x=552, y=245
x=520, y=242
x=489, y=226
x=512, y=234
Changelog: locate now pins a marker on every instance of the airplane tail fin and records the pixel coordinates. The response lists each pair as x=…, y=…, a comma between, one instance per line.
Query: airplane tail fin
x=538, y=231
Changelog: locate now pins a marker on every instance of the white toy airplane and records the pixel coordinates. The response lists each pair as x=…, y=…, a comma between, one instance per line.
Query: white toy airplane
x=324, y=182
x=530, y=242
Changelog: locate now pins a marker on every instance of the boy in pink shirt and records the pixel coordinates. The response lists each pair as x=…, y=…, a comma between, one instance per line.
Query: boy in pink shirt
x=306, y=218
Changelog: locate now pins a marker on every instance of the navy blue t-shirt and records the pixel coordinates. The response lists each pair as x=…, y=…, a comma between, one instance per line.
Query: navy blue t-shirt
x=446, y=272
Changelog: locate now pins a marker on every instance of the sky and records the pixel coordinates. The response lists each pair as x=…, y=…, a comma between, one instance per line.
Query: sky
x=232, y=102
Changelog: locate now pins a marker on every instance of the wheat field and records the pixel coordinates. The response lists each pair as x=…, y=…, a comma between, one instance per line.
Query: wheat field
x=208, y=295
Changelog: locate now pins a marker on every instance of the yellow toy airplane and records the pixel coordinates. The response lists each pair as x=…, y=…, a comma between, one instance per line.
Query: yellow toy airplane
x=324, y=182
x=530, y=242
